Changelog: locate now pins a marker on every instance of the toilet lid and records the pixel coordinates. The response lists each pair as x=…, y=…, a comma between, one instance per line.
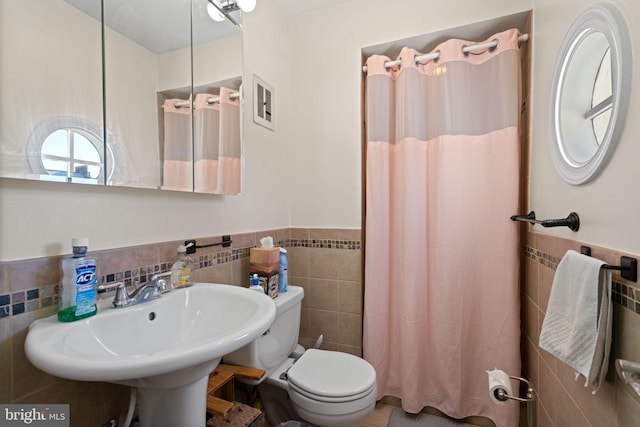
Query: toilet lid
x=331, y=374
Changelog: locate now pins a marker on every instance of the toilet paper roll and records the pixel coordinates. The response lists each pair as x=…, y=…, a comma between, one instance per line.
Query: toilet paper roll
x=499, y=380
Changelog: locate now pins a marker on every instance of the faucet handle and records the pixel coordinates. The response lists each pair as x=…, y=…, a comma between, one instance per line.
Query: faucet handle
x=102, y=288
x=122, y=298
x=161, y=284
x=159, y=275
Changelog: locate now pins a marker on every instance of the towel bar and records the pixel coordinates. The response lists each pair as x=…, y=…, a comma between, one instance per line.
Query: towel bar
x=572, y=220
x=628, y=267
x=191, y=244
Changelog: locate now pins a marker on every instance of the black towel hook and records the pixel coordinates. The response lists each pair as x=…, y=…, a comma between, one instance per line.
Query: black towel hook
x=628, y=267
x=572, y=220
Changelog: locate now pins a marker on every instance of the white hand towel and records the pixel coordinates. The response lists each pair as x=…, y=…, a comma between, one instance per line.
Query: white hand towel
x=600, y=363
x=577, y=324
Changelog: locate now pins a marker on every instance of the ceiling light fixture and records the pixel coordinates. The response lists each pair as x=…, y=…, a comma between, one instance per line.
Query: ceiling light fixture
x=217, y=9
x=214, y=13
x=246, y=5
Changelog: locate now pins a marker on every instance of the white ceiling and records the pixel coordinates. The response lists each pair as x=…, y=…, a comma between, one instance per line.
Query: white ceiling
x=158, y=25
x=163, y=25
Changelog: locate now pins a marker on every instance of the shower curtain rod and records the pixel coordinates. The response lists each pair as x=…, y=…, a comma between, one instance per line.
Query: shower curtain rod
x=211, y=100
x=436, y=55
x=215, y=99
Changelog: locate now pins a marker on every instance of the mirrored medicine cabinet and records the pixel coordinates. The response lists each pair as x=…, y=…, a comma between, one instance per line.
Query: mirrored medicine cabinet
x=103, y=92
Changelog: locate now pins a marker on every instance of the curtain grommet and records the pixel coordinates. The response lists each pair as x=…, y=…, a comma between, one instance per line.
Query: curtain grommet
x=494, y=48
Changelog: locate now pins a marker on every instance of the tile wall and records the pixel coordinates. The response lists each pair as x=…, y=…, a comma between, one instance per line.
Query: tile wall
x=326, y=262
x=328, y=265
x=562, y=401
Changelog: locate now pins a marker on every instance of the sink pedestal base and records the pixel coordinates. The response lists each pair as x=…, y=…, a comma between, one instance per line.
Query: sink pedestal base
x=184, y=406
x=175, y=399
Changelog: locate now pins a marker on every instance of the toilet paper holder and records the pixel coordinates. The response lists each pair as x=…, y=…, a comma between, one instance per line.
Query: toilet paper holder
x=503, y=396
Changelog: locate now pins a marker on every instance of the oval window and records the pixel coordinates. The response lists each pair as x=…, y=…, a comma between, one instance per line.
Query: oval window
x=70, y=149
x=590, y=93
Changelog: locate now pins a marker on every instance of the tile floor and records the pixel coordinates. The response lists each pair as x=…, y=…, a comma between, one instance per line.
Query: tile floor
x=380, y=416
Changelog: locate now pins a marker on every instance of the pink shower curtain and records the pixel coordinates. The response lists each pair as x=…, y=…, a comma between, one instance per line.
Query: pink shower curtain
x=206, y=143
x=230, y=157
x=441, y=268
x=177, y=172
x=217, y=143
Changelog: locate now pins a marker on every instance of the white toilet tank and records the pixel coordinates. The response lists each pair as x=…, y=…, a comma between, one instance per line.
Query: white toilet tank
x=272, y=349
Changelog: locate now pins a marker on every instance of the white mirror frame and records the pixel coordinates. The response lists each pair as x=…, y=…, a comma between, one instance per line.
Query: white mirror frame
x=601, y=18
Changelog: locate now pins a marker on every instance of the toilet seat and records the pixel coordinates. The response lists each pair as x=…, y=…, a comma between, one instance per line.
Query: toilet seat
x=332, y=377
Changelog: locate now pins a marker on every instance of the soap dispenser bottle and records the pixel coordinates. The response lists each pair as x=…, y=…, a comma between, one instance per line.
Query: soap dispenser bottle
x=79, y=277
x=181, y=268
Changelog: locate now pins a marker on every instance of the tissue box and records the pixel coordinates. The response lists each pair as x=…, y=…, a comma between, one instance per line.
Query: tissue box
x=264, y=261
x=269, y=283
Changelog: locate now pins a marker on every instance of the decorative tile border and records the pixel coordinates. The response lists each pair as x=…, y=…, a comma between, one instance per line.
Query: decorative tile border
x=26, y=301
x=34, y=299
x=627, y=296
x=326, y=244
x=143, y=274
x=16, y=303
x=545, y=259
x=624, y=294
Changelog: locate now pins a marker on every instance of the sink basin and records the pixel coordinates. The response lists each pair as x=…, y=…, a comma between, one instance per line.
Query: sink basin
x=166, y=348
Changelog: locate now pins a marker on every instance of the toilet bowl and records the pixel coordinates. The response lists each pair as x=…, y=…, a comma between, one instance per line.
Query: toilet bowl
x=329, y=388
x=321, y=387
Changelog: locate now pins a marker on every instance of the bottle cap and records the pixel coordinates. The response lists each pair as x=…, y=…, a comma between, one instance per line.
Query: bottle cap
x=77, y=242
x=283, y=251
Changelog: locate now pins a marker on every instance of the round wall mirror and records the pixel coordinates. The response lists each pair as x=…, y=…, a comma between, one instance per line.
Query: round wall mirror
x=590, y=93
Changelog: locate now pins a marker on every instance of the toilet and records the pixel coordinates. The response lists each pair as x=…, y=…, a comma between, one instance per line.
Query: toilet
x=323, y=388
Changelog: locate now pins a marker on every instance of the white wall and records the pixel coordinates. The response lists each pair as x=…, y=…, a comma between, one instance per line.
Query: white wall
x=326, y=79
x=217, y=60
x=132, y=80
x=608, y=206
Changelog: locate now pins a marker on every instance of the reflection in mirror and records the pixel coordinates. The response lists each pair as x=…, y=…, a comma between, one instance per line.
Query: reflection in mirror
x=149, y=87
x=147, y=55
x=217, y=77
x=70, y=147
x=51, y=85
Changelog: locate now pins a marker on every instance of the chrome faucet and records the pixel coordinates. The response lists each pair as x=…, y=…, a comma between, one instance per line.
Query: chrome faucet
x=147, y=292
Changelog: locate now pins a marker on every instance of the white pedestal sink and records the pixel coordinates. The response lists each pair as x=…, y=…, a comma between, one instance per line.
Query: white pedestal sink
x=165, y=348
